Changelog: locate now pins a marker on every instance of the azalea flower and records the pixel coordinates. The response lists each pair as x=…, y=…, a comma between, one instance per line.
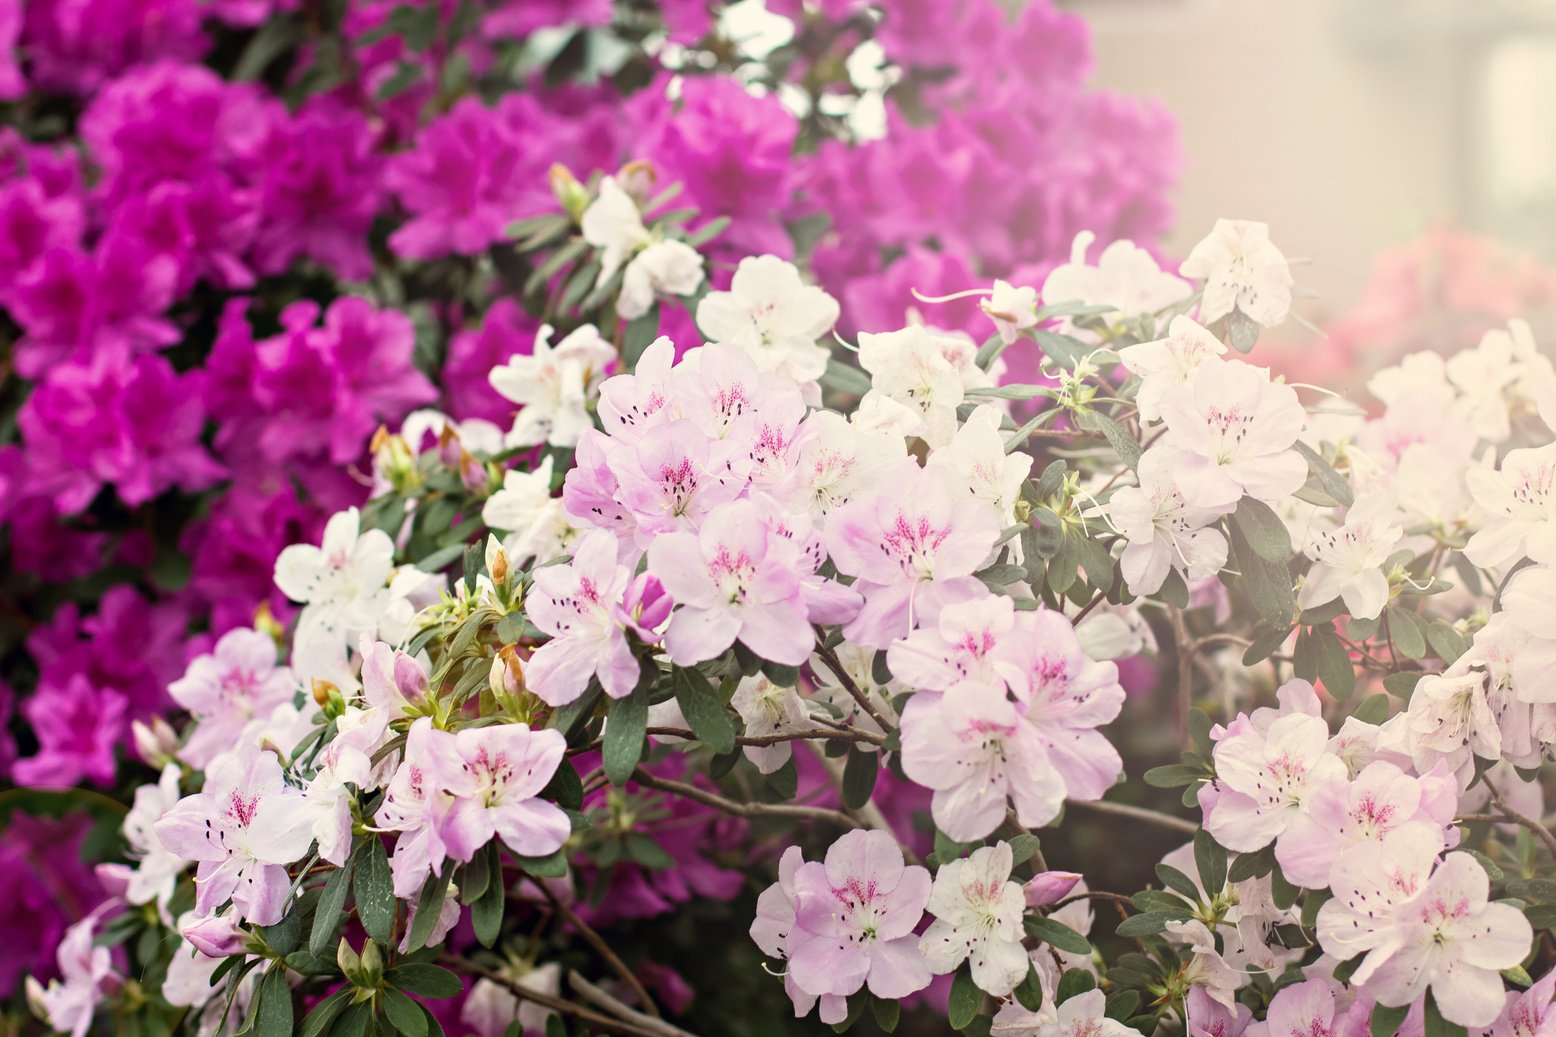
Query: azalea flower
x=225, y=689
x=1235, y=428
x=734, y=580
x=1241, y=270
x=1521, y=507
x=1450, y=721
x=911, y=367
x=961, y=645
x=772, y=928
x=767, y=708
x=774, y=316
x=1081, y=1015
x=243, y=828
x=1347, y=562
x=86, y=974
x=537, y=523
x=574, y=603
x=1168, y=361
x=613, y=225
x=418, y=803
x=503, y=768
x=156, y=867
x=978, y=913
x=553, y=386
x=912, y=550
x=976, y=460
x=854, y=918
x=1125, y=277
x=1301, y=1008
x=1161, y=531
x=663, y=268
x=1263, y=779
x=342, y=581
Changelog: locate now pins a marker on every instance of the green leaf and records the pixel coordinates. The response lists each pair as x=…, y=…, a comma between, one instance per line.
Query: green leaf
x=1148, y=923
x=1022, y=847
x=1311, y=904
x=859, y=778
x=486, y=913
x=1125, y=445
x=1401, y=684
x=1447, y=642
x=1284, y=893
x=1386, y=1019
x=1374, y=709
x=1121, y=1004
x=1073, y=983
x=424, y=979
x=1262, y=529
x=1057, y=935
x=703, y=709
x=552, y=866
x=403, y=1014
x=1406, y=633
x=1266, y=644
x=373, y=889
x=966, y=999
x=624, y=732
x=1173, y=775
x=332, y=904
x=1178, y=882
x=1209, y=861
x=887, y=1012
x=1251, y=865
x=1323, y=477
x=845, y=378
x=322, y=1014
x=785, y=780
x=1267, y=583
x=1541, y=916
x=433, y=892
x=273, y=1005
x=1334, y=668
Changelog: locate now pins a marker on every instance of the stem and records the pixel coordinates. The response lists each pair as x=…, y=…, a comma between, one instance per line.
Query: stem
x=825, y=734
x=829, y=657
x=1176, y=824
x=595, y=940
x=747, y=810
x=599, y=998
x=1535, y=827
x=1117, y=898
x=1180, y=636
x=556, y=1004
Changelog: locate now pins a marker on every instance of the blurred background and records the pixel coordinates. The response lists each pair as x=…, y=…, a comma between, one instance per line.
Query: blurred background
x=1350, y=126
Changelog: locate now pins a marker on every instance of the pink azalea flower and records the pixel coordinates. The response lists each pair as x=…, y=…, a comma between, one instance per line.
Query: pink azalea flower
x=243, y=828
x=575, y=603
x=418, y=805
x=960, y=646
x=673, y=477
x=229, y=687
x=911, y=548
x=1306, y=1008
x=734, y=580
x=504, y=768
x=854, y=918
x=975, y=749
x=1262, y=778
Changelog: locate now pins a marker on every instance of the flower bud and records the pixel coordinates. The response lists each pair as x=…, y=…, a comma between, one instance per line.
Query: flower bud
x=637, y=178
x=1049, y=887
x=570, y=194
x=410, y=680
x=216, y=936
x=329, y=698
x=496, y=561
x=156, y=743
x=644, y=607
x=372, y=964
x=265, y=623
x=350, y=962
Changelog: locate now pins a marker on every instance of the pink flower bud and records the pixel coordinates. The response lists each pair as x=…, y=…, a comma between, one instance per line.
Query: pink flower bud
x=216, y=936
x=1049, y=887
x=409, y=679
x=156, y=743
x=645, y=607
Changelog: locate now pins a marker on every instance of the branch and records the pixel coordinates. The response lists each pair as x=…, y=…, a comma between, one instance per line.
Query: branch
x=1176, y=824
x=820, y=733
x=1096, y=894
x=602, y=1022
x=1535, y=827
x=747, y=810
x=829, y=657
x=869, y=814
x=599, y=998
x=595, y=940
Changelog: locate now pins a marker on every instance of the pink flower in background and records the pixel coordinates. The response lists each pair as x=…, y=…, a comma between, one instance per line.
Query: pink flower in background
x=236, y=682
x=79, y=727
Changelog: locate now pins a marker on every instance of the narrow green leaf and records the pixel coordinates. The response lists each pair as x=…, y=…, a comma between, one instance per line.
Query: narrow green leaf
x=1267, y=583
x=273, y=1005
x=859, y=778
x=403, y=1014
x=1209, y=861
x=1057, y=935
x=322, y=1014
x=624, y=733
x=332, y=904
x=424, y=979
x=965, y=1001
x=373, y=889
x=1406, y=632
x=703, y=709
x=1262, y=529
x=1322, y=474
x=1374, y=709
x=433, y=892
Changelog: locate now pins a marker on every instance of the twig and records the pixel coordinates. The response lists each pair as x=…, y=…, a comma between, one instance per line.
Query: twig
x=1096, y=894
x=595, y=940
x=1096, y=600
x=1535, y=827
x=600, y=999
x=1101, y=806
x=829, y=657
x=556, y=1004
x=869, y=814
x=747, y=810
x=823, y=734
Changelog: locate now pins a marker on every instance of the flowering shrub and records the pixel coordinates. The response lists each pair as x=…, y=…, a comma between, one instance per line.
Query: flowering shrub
x=749, y=611
x=239, y=236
